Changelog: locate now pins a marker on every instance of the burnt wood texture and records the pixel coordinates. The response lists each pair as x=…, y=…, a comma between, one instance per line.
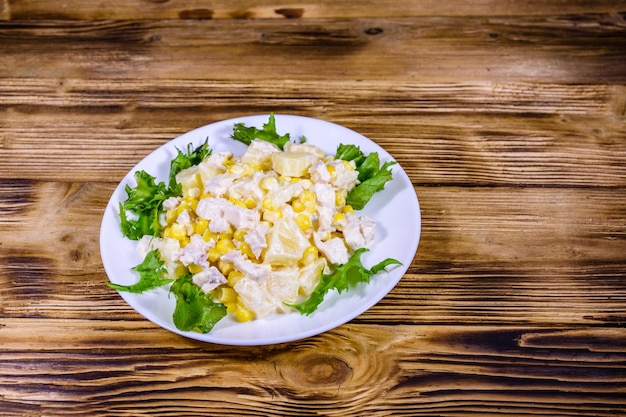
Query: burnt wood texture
x=509, y=118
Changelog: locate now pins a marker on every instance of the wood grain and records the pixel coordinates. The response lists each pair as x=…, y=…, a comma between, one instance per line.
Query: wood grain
x=509, y=118
x=421, y=49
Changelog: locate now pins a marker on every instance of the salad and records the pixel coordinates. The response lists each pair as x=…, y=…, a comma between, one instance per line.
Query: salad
x=267, y=232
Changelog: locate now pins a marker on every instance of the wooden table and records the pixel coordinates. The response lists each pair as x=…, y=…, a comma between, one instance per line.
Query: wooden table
x=509, y=117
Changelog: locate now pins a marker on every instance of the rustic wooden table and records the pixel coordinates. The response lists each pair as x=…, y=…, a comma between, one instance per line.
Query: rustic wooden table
x=509, y=117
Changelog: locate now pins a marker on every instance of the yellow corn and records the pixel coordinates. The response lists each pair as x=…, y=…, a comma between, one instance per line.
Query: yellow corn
x=348, y=209
x=214, y=255
x=246, y=250
x=225, y=267
x=194, y=269
x=231, y=308
x=309, y=255
x=171, y=216
x=178, y=231
x=298, y=206
x=226, y=295
x=224, y=245
x=233, y=277
x=243, y=314
x=303, y=221
x=201, y=226
x=239, y=234
x=339, y=199
x=190, y=202
x=331, y=170
x=250, y=203
x=339, y=218
x=237, y=202
x=269, y=183
x=209, y=236
x=268, y=204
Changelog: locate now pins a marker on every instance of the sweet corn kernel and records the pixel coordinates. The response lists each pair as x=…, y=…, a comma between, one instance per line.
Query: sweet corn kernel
x=348, y=209
x=331, y=170
x=225, y=267
x=250, y=203
x=224, y=246
x=307, y=195
x=180, y=270
x=231, y=308
x=339, y=218
x=233, y=277
x=310, y=206
x=171, y=216
x=239, y=234
x=247, y=250
x=303, y=221
x=237, y=202
x=178, y=231
x=226, y=295
x=201, y=226
x=269, y=183
x=268, y=204
x=309, y=255
x=339, y=199
x=214, y=255
x=194, y=269
x=243, y=314
x=297, y=206
x=190, y=202
x=208, y=236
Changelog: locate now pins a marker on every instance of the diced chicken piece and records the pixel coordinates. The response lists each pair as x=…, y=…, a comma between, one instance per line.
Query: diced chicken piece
x=258, y=272
x=208, y=279
x=257, y=238
x=184, y=218
x=359, y=231
x=319, y=173
x=280, y=195
x=171, y=203
x=346, y=175
x=334, y=249
x=221, y=213
x=218, y=184
x=248, y=187
x=195, y=252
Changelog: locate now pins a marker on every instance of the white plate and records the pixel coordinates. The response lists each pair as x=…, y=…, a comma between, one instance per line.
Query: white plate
x=395, y=210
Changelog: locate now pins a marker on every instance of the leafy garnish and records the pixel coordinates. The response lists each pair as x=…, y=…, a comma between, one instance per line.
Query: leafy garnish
x=372, y=176
x=145, y=201
x=195, y=310
x=151, y=272
x=362, y=193
x=247, y=134
x=345, y=276
x=183, y=161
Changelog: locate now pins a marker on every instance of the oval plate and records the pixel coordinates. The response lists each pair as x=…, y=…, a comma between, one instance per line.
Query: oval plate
x=395, y=210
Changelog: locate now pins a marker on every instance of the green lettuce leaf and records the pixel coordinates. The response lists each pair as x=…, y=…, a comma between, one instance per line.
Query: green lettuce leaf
x=362, y=193
x=246, y=134
x=345, y=276
x=372, y=176
x=145, y=201
x=186, y=160
x=151, y=272
x=195, y=310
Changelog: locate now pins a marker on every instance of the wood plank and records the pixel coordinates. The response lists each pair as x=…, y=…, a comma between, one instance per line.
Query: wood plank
x=241, y=9
x=131, y=367
x=522, y=134
x=569, y=49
